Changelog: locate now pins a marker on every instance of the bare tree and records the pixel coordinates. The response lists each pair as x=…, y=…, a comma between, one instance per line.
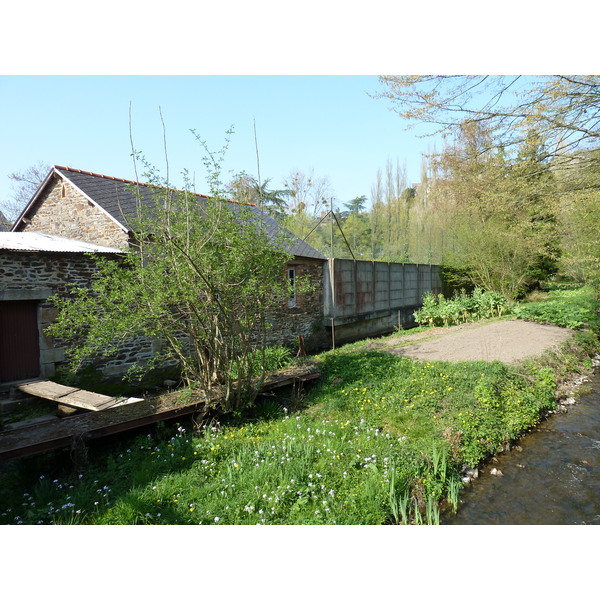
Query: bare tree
x=24, y=185
x=308, y=194
x=564, y=110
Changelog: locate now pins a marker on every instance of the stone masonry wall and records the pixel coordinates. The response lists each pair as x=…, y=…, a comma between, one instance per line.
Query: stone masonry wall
x=38, y=276
x=306, y=318
x=66, y=212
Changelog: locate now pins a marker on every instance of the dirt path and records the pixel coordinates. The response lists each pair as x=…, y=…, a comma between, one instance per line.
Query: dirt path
x=507, y=341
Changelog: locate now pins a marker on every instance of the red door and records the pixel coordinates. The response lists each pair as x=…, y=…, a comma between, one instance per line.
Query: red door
x=19, y=340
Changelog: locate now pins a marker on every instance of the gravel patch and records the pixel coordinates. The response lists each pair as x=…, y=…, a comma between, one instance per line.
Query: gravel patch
x=506, y=341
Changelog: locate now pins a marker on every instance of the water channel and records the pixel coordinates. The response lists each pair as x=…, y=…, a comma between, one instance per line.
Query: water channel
x=553, y=480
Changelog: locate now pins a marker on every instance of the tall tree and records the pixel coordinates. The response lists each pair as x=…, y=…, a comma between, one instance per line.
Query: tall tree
x=247, y=189
x=499, y=225
x=308, y=193
x=309, y=199
x=579, y=220
x=357, y=232
x=356, y=205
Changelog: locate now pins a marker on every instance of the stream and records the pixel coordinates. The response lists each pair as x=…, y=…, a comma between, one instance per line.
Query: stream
x=553, y=480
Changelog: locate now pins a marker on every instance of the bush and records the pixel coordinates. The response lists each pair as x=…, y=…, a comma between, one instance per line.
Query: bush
x=566, y=308
x=461, y=308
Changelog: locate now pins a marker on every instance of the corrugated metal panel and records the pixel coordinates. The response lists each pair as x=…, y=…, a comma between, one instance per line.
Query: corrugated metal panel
x=362, y=288
x=43, y=242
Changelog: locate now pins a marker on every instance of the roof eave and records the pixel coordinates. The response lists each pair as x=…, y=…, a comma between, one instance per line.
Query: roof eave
x=37, y=194
x=55, y=171
x=103, y=210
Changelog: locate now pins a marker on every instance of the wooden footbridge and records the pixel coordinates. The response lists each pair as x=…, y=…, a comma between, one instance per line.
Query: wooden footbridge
x=105, y=415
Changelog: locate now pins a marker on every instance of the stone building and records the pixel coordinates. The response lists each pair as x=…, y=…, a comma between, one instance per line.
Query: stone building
x=341, y=301
x=97, y=209
x=4, y=222
x=34, y=267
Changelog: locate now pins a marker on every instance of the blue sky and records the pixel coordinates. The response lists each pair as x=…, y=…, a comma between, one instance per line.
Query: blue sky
x=325, y=123
x=303, y=73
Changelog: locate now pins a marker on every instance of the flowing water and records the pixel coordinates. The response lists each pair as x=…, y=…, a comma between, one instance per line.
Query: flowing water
x=554, y=480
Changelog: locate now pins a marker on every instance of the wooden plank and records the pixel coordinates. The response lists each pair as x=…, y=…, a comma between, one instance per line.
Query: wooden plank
x=93, y=401
x=137, y=412
x=308, y=377
x=71, y=396
x=46, y=389
x=35, y=439
x=87, y=400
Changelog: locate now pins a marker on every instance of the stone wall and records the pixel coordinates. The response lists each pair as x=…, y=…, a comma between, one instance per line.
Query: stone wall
x=64, y=211
x=38, y=276
x=306, y=317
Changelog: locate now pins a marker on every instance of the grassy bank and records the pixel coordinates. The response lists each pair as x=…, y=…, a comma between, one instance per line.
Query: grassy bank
x=381, y=439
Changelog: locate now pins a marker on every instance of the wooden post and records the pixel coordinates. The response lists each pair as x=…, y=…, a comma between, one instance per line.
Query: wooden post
x=333, y=333
x=333, y=303
x=301, y=348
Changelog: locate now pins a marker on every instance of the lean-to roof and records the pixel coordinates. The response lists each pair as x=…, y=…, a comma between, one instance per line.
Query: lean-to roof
x=43, y=242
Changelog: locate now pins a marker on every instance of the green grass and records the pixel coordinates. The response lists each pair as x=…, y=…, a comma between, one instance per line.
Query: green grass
x=381, y=439
x=572, y=308
x=379, y=433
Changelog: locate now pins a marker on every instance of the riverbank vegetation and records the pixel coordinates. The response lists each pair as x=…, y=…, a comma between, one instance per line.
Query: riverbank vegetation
x=381, y=439
x=509, y=201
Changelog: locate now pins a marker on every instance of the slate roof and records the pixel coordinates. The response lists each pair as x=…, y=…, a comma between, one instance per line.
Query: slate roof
x=116, y=196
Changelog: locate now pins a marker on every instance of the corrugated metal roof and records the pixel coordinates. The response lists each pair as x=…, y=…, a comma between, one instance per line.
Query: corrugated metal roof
x=43, y=242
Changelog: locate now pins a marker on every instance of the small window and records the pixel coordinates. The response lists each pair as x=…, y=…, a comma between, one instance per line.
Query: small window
x=292, y=287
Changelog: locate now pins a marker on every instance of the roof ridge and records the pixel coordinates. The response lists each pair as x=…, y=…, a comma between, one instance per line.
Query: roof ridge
x=71, y=169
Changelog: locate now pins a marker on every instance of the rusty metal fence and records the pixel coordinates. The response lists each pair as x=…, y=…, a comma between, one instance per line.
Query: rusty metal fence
x=359, y=289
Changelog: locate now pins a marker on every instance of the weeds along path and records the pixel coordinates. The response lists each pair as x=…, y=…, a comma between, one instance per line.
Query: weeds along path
x=509, y=341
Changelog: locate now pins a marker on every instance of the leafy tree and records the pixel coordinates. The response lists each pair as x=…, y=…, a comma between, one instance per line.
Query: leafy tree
x=579, y=218
x=200, y=281
x=358, y=234
x=499, y=226
x=547, y=131
x=356, y=205
x=392, y=223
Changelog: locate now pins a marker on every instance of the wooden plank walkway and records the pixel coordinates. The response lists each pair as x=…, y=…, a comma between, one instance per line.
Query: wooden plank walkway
x=64, y=432
x=71, y=396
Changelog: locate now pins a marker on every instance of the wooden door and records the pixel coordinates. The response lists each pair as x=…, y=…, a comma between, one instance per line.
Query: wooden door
x=19, y=340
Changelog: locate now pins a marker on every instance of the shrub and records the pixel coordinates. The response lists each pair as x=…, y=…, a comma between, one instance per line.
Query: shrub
x=566, y=308
x=461, y=308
